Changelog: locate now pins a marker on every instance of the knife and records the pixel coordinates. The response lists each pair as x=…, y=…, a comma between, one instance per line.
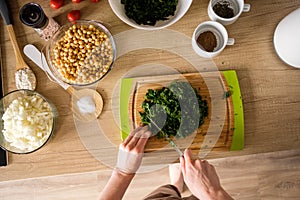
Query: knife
x=167, y=138
x=3, y=153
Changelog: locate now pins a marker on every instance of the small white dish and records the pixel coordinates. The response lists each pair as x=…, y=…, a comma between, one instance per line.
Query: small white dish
x=286, y=39
x=182, y=8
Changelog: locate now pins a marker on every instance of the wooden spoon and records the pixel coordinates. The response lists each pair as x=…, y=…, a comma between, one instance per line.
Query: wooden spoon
x=25, y=78
x=78, y=96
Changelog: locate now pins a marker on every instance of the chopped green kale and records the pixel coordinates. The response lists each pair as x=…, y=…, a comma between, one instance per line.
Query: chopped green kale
x=177, y=110
x=148, y=12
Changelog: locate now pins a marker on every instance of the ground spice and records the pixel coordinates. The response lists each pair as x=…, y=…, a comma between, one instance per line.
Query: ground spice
x=49, y=30
x=25, y=79
x=222, y=9
x=207, y=40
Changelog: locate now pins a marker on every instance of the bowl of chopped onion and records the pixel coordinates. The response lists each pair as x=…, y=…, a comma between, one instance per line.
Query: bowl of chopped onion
x=27, y=121
x=148, y=14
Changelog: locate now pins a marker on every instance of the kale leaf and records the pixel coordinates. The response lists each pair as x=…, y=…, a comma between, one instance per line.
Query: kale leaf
x=147, y=12
x=177, y=110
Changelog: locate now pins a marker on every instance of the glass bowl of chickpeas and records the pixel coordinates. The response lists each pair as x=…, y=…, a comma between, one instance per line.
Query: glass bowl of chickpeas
x=81, y=53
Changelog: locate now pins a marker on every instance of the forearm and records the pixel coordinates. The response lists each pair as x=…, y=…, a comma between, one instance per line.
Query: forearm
x=116, y=186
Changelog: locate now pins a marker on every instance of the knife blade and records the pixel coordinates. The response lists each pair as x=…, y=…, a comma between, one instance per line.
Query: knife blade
x=172, y=143
x=3, y=153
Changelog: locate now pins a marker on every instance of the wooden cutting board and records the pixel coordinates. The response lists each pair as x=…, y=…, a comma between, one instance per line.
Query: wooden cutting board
x=141, y=85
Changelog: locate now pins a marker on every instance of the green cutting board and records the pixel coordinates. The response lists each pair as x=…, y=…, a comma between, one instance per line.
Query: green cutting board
x=128, y=87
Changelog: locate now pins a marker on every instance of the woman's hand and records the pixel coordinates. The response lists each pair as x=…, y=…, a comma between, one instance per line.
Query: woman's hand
x=131, y=150
x=130, y=156
x=201, y=178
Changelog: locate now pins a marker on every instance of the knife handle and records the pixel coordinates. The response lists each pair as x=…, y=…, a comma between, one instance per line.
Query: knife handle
x=4, y=12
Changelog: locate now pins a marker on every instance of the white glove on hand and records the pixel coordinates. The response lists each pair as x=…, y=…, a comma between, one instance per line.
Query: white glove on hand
x=131, y=150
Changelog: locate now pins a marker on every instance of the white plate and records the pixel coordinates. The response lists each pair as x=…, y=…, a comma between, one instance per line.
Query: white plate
x=287, y=39
x=182, y=8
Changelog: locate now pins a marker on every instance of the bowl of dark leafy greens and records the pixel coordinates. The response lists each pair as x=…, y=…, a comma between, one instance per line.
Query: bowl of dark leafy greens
x=150, y=14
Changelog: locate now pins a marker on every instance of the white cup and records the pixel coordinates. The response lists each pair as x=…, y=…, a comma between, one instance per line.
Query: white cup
x=221, y=36
x=238, y=7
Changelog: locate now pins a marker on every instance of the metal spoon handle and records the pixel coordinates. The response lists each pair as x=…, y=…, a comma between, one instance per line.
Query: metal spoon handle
x=172, y=143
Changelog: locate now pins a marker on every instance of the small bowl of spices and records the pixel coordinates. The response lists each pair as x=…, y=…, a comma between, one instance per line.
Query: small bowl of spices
x=210, y=38
x=226, y=11
x=81, y=53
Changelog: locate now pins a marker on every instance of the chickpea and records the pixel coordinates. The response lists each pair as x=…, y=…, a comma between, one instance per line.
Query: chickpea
x=83, y=55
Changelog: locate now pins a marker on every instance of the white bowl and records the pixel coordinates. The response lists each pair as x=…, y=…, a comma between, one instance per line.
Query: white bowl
x=182, y=8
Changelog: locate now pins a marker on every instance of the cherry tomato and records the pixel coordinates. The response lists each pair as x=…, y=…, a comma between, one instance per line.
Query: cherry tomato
x=56, y=4
x=74, y=15
x=95, y=1
x=76, y=1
